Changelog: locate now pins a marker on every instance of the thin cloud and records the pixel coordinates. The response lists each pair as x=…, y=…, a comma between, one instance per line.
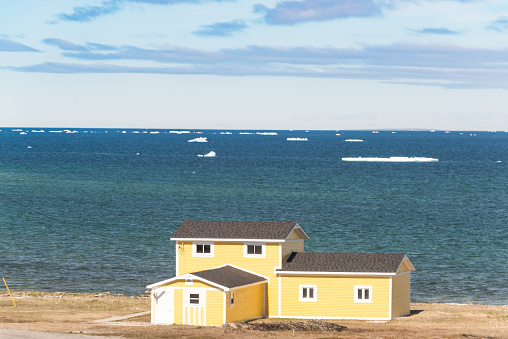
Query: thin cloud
x=13, y=46
x=222, y=29
x=442, y=65
x=294, y=12
x=407, y=55
x=435, y=30
x=89, y=13
x=65, y=45
x=499, y=25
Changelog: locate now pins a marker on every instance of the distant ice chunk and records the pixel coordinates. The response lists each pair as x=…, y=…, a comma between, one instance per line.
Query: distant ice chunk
x=245, y=133
x=38, y=131
x=354, y=140
x=297, y=139
x=201, y=139
x=154, y=132
x=226, y=133
x=266, y=133
x=392, y=159
x=179, y=132
x=208, y=155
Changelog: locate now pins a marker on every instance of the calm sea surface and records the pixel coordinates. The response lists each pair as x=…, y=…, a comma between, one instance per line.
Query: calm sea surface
x=94, y=210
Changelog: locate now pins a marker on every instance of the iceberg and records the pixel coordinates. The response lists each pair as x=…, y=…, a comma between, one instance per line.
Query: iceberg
x=297, y=139
x=354, y=140
x=266, y=133
x=179, y=132
x=201, y=139
x=208, y=155
x=392, y=159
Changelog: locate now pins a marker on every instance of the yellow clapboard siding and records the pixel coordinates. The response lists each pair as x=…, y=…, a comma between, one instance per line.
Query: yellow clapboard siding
x=335, y=297
x=178, y=304
x=288, y=247
x=248, y=304
x=401, y=294
x=403, y=268
x=214, y=307
x=294, y=235
x=233, y=253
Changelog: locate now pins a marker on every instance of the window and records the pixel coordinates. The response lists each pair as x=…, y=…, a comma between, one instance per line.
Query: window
x=194, y=298
x=231, y=298
x=363, y=294
x=202, y=249
x=308, y=293
x=254, y=250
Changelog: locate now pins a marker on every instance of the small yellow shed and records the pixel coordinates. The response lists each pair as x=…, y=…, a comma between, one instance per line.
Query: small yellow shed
x=211, y=297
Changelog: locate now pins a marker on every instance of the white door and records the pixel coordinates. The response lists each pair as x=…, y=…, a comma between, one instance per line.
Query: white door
x=164, y=306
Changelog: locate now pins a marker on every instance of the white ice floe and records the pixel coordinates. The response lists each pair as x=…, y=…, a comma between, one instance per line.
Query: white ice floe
x=392, y=159
x=17, y=130
x=154, y=132
x=208, y=155
x=201, y=139
x=22, y=132
x=179, y=132
x=266, y=133
x=226, y=133
x=57, y=131
x=375, y=132
x=297, y=139
x=245, y=133
x=69, y=131
x=38, y=131
x=354, y=140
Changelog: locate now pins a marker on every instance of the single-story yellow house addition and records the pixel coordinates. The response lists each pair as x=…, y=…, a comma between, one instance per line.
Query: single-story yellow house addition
x=230, y=271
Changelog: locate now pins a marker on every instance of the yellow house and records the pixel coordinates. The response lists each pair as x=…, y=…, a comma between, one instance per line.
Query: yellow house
x=229, y=271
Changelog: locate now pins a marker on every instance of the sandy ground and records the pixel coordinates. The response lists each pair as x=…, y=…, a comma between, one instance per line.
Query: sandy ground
x=78, y=314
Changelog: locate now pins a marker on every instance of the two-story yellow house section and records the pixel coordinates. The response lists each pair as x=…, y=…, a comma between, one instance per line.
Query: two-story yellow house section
x=370, y=286
x=259, y=247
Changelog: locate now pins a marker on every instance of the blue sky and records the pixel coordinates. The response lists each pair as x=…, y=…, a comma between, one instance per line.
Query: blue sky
x=255, y=64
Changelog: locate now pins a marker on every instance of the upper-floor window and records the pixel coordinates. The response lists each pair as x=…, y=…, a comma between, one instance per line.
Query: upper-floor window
x=254, y=250
x=363, y=294
x=202, y=249
x=308, y=293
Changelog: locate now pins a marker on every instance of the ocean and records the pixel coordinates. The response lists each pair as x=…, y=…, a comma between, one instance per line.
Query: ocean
x=93, y=210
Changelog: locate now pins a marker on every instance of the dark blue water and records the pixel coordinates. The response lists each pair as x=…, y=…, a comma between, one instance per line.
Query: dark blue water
x=95, y=211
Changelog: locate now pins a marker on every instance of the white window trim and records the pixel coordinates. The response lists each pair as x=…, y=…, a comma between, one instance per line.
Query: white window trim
x=195, y=254
x=202, y=295
x=263, y=250
x=363, y=300
x=300, y=293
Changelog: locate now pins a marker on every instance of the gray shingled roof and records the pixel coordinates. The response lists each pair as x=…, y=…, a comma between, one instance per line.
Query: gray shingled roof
x=229, y=276
x=233, y=230
x=343, y=262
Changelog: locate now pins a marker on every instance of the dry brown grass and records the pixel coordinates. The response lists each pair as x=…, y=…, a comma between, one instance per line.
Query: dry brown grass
x=68, y=312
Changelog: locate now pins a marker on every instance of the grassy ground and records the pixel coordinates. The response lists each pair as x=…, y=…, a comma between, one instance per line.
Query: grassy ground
x=73, y=313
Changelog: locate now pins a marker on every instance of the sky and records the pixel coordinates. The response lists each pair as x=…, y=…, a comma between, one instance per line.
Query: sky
x=255, y=64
